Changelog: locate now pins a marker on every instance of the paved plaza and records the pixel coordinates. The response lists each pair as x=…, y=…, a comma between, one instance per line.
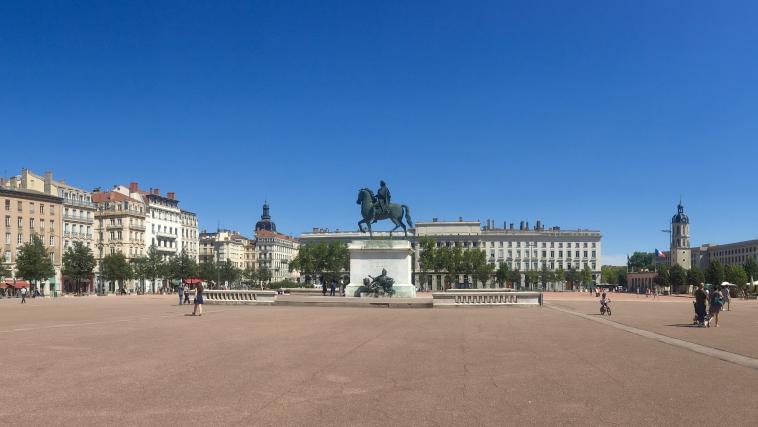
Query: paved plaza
x=140, y=360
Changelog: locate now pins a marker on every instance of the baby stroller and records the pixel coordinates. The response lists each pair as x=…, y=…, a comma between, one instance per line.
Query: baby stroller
x=706, y=318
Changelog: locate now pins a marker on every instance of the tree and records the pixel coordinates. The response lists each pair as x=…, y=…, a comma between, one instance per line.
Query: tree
x=249, y=276
x=481, y=270
x=530, y=278
x=586, y=275
x=141, y=270
x=155, y=267
x=560, y=276
x=305, y=261
x=182, y=267
x=264, y=275
x=695, y=277
x=609, y=274
x=208, y=272
x=714, y=274
x=677, y=278
x=34, y=262
x=663, y=280
x=641, y=261
x=736, y=274
x=78, y=264
x=326, y=259
x=428, y=251
x=501, y=275
x=514, y=277
x=227, y=272
x=573, y=277
x=116, y=269
x=546, y=277
x=751, y=268
x=5, y=271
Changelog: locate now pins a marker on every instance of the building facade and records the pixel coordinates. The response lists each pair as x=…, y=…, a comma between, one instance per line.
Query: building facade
x=120, y=226
x=27, y=213
x=522, y=249
x=190, y=239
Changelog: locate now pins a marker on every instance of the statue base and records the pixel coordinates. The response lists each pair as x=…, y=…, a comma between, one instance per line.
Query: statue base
x=369, y=257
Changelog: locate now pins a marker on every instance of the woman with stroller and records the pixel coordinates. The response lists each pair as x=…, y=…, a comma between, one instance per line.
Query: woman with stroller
x=700, y=298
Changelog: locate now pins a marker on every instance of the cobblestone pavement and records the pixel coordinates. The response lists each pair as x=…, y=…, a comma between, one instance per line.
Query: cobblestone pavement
x=143, y=361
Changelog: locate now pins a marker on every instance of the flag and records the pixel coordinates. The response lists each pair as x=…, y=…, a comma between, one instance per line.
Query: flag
x=660, y=253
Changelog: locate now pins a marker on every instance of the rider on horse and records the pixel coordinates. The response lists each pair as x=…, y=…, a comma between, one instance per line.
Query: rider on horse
x=382, y=197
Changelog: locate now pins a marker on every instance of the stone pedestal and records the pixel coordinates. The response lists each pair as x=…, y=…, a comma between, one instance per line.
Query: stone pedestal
x=369, y=257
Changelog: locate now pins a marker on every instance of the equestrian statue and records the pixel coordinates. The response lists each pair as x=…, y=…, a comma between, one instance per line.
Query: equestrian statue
x=377, y=208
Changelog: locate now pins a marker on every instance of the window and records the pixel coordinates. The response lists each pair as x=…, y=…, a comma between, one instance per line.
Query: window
x=19, y=206
x=31, y=207
x=52, y=209
x=585, y=254
x=20, y=222
x=31, y=223
x=593, y=254
x=576, y=254
x=20, y=238
x=52, y=226
x=7, y=221
x=7, y=205
x=7, y=238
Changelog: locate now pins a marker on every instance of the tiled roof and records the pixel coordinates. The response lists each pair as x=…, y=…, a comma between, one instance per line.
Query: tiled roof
x=266, y=233
x=110, y=196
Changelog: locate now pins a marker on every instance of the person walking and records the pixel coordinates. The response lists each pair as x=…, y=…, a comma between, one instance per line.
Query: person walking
x=181, y=294
x=186, y=294
x=700, y=298
x=23, y=295
x=725, y=295
x=717, y=301
x=198, y=310
x=323, y=287
x=332, y=287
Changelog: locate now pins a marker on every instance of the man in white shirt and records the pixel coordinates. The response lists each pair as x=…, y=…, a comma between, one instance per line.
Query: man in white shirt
x=23, y=295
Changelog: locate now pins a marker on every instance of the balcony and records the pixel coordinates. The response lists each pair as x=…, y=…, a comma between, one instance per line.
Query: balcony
x=72, y=202
x=140, y=227
x=165, y=235
x=78, y=218
x=165, y=249
x=114, y=226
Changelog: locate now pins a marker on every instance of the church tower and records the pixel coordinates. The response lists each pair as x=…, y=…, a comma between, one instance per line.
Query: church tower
x=680, y=239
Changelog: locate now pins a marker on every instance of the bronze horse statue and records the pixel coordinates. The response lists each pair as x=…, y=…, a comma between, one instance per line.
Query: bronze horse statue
x=370, y=212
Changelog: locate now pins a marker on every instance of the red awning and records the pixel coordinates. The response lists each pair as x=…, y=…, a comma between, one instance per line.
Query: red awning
x=9, y=283
x=193, y=281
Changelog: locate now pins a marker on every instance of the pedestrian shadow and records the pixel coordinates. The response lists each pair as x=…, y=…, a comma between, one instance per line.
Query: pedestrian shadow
x=683, y=325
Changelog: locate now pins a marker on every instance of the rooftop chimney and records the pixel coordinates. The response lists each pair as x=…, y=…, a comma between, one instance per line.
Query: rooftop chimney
x=48, y=182
x=14, y=183
x=157, y=191
x=460, y=219
x=3, y=182
x=171, y=195
x=133, y=187
x=539, y=225
x=434, y=219
x=511, y=227
x=527, y=225
x=521, y=225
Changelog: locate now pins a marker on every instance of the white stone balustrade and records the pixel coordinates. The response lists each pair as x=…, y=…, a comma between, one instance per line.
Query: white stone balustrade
x=237, y=296
x=484, y=297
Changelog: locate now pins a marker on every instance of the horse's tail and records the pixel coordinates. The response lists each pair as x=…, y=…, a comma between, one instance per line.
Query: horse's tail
x=408, y=215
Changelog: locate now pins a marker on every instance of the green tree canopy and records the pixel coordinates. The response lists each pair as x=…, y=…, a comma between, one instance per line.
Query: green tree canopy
x=141, y=270
x=714, y=274
x=736, y=274
x=641, y=261
x=207, y=271
x=249, y=276
x=327, y=259
x=531, y=278
x=155, y=267
x=501, y=275
x=78, y=263
x=751, y=268
x=546, y=277
x=34, y=262
x=227, y=272
x=663, y=278
x=514, y=278
x=116, y=268
x=695, y=276
x=586, y=275
x=182, y=267
x=428, y=252
x=264, y=275
x=677, y=277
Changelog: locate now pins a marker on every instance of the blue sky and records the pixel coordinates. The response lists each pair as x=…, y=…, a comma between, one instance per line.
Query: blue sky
x=588, y=114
